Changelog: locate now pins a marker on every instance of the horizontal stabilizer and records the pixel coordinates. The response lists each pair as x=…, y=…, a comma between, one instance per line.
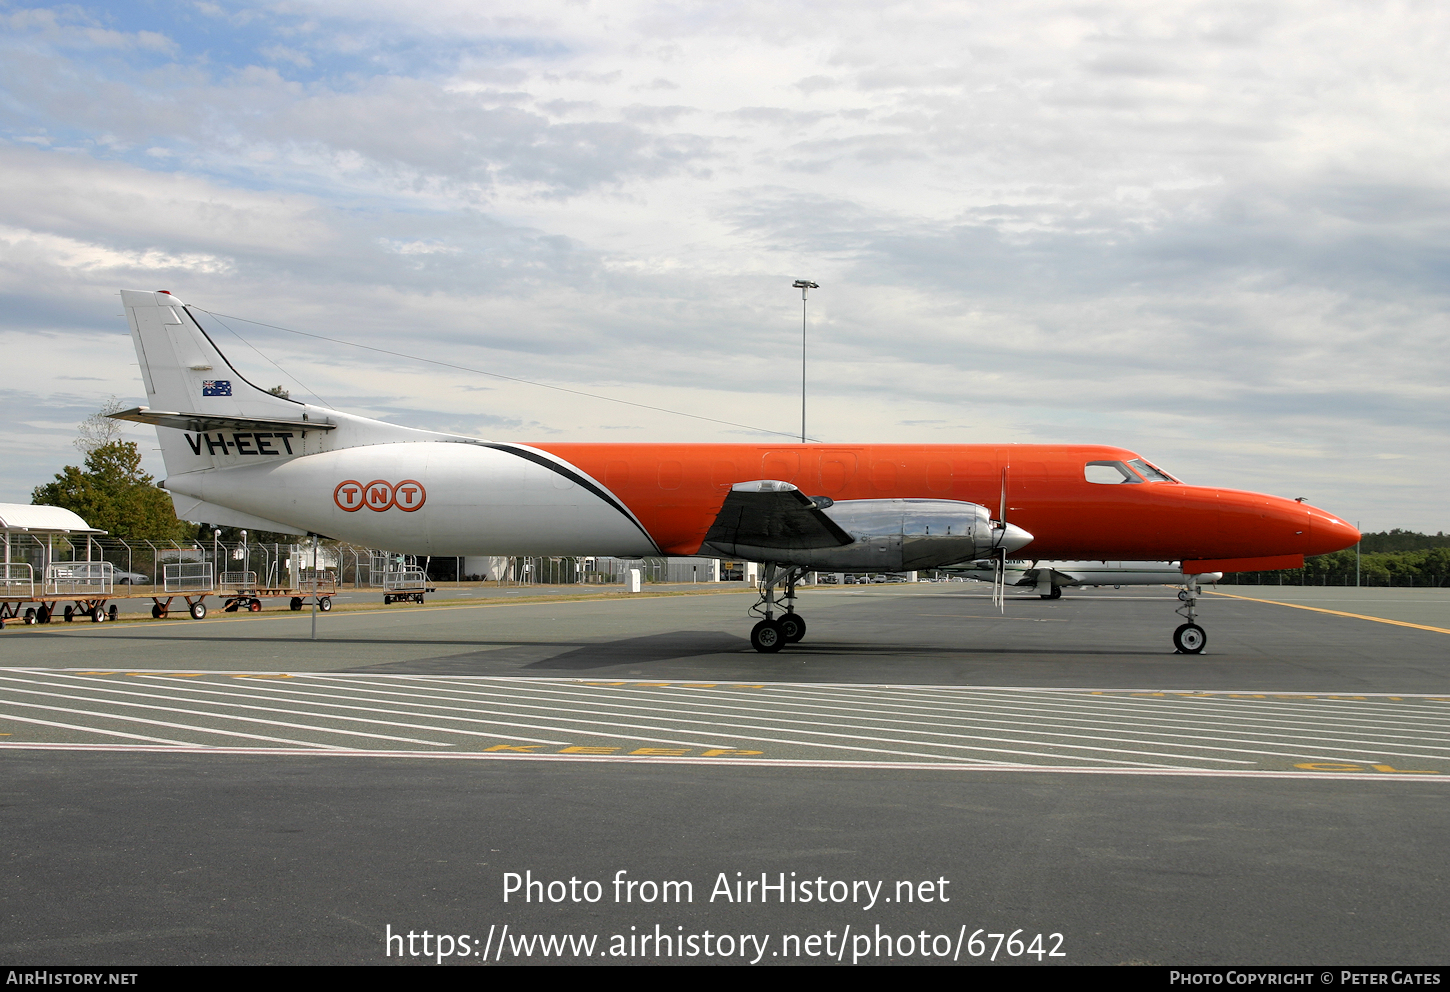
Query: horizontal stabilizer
x=770, y=514
x=199, y=423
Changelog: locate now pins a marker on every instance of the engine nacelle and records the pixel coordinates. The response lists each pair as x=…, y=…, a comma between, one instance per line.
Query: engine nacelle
x=900, y=535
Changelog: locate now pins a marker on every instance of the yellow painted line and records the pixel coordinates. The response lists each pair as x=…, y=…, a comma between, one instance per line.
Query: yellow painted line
x=1337, y=613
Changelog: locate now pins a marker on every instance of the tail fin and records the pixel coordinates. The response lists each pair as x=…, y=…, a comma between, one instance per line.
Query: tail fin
x=185, y=372
x=208, y=416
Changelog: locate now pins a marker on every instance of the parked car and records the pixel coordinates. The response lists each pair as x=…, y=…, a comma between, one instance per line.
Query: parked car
x=132, y=579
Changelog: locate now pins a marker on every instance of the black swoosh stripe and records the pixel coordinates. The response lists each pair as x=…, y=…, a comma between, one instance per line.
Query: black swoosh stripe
x=539, y=459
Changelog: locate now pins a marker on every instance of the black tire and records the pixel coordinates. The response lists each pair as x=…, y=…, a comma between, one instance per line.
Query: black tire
x=767, y=637
x=113, y=612
x=1190, y=638
x=198, y=611
x=96, y=614
x=70, y=614
x=30, y=616
x=792, y=627
x=296, y=603
x=231, y=606
x=387, y=600
x=42, y=615
x=324, y=604
x=156, y=612
x=1056, y=593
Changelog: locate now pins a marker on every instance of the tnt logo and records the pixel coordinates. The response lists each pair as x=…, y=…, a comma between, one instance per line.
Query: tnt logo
x=379, y=495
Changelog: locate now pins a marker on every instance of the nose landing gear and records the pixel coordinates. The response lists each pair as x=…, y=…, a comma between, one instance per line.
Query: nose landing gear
x=1189, y=638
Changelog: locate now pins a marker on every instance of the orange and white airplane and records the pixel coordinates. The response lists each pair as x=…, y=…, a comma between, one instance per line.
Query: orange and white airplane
x=239, y=456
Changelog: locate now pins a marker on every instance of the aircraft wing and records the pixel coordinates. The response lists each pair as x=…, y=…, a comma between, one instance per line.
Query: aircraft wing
x=771, y=514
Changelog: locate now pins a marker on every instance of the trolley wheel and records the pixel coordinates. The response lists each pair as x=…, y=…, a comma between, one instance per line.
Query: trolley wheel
x=70, y=614
x=255, y=606
x=1190, y=638
x=792, y=627
x=113, y=612
x=324, y=604
x=767, y=637
x=1056, y=593
x=296, y=603
x=387, y=600
x=231, y=606
x=198, y=611
x=30, y=616
x=42, y=615
x=96, y=613
x=157, y=612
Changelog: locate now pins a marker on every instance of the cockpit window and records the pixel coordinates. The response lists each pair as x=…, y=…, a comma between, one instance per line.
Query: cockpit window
x=1150, y=472
x=1109, y=473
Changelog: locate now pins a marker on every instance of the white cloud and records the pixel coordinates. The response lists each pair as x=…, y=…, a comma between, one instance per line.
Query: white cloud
x=1217, y=231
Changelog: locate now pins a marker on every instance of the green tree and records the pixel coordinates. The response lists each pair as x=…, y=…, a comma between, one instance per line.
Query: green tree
x=113, y=494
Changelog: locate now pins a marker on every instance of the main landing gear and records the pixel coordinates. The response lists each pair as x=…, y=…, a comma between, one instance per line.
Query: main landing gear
x=776, y=631
x=1189, y=638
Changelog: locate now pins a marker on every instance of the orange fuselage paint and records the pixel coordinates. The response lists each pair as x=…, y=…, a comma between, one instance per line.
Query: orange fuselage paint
x=676, y=490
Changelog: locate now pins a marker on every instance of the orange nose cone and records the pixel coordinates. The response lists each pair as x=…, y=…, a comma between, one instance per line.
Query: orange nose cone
x=1328, y=533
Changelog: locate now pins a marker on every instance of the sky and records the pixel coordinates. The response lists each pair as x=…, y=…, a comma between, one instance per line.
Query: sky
x=1215, y=233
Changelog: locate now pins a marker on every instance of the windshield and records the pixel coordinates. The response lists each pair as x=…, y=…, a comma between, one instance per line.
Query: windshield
x=1151, y=472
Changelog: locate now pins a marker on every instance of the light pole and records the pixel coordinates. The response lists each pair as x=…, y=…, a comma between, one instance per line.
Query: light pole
x=805, y=286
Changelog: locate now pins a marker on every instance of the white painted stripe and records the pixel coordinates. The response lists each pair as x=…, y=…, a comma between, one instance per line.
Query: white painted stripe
x=758, y=763
x=173, y=726
x=216, y=716
x=746, y=732
x=227, y=691
x=858, y=731
x=1283, y=748
x=90, y=730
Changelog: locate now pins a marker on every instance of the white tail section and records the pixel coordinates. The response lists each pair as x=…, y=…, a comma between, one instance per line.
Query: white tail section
x=235, y=423
x=185, y=372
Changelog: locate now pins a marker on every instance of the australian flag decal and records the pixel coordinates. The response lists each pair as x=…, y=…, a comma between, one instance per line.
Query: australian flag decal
x=216, y=387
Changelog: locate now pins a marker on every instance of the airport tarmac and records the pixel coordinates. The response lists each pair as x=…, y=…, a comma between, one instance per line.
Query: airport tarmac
x=230, y=790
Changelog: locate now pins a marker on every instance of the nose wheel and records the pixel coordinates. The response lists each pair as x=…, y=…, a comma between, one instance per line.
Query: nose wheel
x=1189, y=638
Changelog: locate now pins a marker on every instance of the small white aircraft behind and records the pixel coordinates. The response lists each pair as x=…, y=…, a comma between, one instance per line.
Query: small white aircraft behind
x=1050, y=577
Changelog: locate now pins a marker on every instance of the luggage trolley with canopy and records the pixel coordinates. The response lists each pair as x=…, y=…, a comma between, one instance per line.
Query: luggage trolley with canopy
x=86, y=585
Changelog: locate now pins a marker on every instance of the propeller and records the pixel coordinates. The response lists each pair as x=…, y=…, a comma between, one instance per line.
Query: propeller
x=999, y=570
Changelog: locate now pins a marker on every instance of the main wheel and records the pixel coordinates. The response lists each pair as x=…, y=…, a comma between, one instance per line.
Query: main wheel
x=198, y=611
x=255, y=606
x=792, y=627
x=324, y=604
x=1190, y=638
x=156, y=612
x=767, y=637
x=296, y=603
